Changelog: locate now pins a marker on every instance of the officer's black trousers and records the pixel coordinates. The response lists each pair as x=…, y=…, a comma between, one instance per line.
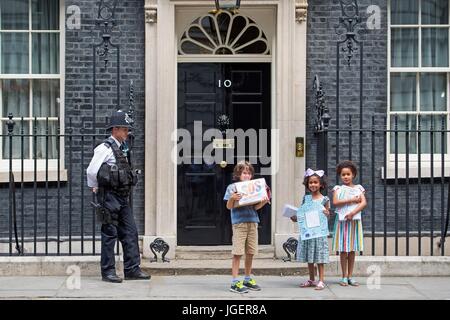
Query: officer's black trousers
x=127, y=233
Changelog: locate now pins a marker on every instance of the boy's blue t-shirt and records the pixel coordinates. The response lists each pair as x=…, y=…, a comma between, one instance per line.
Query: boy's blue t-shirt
x=241, y=214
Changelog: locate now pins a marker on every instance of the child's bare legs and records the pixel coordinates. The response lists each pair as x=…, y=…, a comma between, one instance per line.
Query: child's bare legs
x=344, y=264
x=351, y=263
x=248, y=281
x=248, y=264
x=321, y=268
x=235, y=266
x=347, y=265
x=312, y=272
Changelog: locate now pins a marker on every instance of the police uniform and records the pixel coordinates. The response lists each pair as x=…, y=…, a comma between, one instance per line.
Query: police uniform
x=110, y=172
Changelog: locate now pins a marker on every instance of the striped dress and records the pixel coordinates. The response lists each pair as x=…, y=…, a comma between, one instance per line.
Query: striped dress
x=348, y=234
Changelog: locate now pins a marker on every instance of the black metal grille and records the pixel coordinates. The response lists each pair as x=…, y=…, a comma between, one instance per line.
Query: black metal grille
x=405, y=197
x=53, y=216
x=47, y=204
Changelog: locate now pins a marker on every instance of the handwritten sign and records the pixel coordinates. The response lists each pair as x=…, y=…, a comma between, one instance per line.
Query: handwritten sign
x=252, y=191
x=312, y=222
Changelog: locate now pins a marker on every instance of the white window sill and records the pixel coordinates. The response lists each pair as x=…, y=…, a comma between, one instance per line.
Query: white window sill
x=425, y=168
x=28, y=176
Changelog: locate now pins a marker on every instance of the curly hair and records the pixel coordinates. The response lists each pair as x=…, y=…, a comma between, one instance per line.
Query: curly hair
x=347, y=164
x=322, y=179
x=241, y=166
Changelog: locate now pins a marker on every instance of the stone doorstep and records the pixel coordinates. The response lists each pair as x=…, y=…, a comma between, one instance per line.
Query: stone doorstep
x=89, y=266
x=223, y=267
x=218, y=252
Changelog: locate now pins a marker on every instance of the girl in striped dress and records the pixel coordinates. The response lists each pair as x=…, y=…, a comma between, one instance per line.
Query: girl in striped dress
x=348, y=233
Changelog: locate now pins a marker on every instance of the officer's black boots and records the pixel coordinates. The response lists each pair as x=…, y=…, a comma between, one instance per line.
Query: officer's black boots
x=137, y=275
x=112, y=278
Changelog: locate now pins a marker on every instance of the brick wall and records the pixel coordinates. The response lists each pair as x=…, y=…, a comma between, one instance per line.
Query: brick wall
x=129, y=35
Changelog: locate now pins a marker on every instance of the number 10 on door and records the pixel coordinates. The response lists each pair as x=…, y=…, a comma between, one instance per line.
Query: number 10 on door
x=227, y=83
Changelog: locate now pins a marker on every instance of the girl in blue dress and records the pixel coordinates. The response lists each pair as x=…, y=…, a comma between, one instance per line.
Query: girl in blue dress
x=316, y=250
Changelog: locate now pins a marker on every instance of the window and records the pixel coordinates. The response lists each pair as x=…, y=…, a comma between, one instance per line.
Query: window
x=223, y=33
x=419, y=73
x=30, y=75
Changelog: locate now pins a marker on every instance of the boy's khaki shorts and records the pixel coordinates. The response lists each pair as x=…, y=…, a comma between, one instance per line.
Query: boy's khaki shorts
x=245, y=238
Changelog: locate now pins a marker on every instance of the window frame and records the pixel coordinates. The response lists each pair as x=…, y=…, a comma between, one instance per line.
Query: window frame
x=29, y=162
x=190, y=20
x=425, y=158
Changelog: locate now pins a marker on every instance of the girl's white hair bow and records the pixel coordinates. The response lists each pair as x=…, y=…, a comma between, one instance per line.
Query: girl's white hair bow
x=309, y=172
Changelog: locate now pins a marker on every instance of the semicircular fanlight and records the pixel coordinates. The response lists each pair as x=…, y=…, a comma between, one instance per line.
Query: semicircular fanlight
x=223, y=33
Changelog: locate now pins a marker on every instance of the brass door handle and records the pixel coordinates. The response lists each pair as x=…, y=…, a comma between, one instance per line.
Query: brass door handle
x=223, y=164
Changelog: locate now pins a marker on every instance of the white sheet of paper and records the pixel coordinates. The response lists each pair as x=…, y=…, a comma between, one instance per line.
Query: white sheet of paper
x=289, y=211
x=343, y=211
x=312, y=219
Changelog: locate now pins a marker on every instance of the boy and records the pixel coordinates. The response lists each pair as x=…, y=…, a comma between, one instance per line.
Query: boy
x=245, y=229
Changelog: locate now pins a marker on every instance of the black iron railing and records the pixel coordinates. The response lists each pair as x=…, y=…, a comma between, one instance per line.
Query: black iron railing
x=46, y=209
x=405, y=171
x=407, y=190
x=45, y=203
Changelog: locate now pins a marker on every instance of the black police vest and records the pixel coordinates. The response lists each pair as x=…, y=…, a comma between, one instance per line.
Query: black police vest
x=119, y=177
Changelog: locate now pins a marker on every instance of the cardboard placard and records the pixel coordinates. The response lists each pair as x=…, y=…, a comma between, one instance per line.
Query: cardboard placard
x=312, y=222
x=252, y=191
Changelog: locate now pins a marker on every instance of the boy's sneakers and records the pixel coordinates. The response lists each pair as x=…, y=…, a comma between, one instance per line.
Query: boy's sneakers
x=238, y=287
x=251, y=284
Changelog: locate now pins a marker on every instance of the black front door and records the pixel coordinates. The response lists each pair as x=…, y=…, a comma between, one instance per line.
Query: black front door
x=241, y=92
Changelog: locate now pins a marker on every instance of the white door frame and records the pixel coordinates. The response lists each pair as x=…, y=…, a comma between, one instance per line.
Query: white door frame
x=288, y=114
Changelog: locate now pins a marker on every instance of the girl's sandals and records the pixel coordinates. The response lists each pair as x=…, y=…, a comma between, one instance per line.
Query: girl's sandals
x=344, y=282
x=308, y=283
x=353, y=283
x=320, y=286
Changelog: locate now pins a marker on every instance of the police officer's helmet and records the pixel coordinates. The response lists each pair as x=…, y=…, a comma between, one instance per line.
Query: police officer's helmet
x=120, y=119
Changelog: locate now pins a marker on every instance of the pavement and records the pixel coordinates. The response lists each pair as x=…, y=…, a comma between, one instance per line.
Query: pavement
x=387, y=266
x=212, y=287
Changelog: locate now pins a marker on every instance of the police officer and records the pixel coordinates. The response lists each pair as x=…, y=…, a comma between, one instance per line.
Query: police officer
x=111, y=177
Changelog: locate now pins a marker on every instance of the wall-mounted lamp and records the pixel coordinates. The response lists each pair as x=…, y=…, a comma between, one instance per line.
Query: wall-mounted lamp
x=230, y=5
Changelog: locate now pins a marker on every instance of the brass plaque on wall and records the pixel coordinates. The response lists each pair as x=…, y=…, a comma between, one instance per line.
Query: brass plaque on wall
x=299, y=147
